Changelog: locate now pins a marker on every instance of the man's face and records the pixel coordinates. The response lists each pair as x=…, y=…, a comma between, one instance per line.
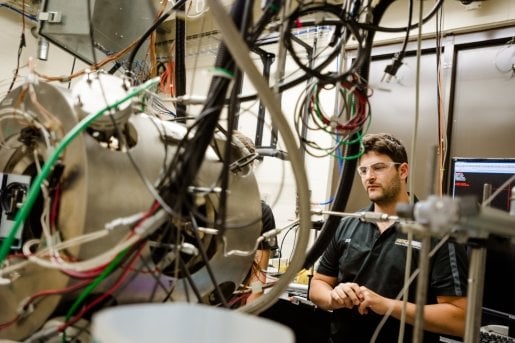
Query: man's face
x=380, y=177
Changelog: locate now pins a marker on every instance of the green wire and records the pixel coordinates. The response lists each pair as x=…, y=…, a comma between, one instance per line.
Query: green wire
x=114, y=263
x=87, y=291
x=47, y=167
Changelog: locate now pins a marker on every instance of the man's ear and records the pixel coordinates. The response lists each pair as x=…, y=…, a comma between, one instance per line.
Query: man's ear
x=404, y=170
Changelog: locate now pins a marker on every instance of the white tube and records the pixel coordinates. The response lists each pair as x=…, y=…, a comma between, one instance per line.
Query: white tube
x=236, y=46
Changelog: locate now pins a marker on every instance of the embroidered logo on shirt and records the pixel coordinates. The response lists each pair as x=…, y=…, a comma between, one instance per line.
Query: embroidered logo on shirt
x=405, y=243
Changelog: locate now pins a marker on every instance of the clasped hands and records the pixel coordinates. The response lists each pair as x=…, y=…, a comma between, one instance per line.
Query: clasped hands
x=350, y=294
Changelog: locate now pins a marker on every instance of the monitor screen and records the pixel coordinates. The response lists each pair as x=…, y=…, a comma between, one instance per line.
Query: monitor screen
x=468, y=177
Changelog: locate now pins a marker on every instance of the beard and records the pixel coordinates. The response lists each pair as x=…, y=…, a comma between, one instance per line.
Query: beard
x=389, y=194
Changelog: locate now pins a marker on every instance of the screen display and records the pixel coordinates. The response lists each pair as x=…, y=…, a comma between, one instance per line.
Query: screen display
x=471, y=174
x=468, y=177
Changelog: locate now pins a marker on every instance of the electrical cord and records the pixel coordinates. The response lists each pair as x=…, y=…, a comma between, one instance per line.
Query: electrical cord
x=271, y=8
x=203, y=253
x=245, y=12
x=234, y=42
x=391, y=69
x=349, y=167
x=350, y=29
x=386, y=3
x=82, y=297
x=147, y=33
x=20, y=49
x=27, y=303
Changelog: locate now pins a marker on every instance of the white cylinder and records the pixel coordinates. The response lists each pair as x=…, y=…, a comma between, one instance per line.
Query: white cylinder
x=184, y=323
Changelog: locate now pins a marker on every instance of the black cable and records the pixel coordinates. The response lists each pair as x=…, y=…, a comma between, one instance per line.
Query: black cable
x=91, y=37
x=374, y=27
x=246, y=16
x=71, y=71
x=203, y=253
x=187, y=162
x=158, y=281
x=137, y=271
x=180, y=64
x=391, y=69
x=351, y=29
x=294, y=227
x=20, y=49
x=22, y=12
x=149, y=31
x=406, y=38
x=280, y=88
x=189, y=279
x=271, y=8
x=347, y=176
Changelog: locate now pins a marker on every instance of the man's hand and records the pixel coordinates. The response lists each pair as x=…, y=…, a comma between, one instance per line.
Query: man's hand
x=346, y=295
x=373, y=301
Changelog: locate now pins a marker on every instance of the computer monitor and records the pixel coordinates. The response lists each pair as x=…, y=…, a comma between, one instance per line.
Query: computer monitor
x=468, y=176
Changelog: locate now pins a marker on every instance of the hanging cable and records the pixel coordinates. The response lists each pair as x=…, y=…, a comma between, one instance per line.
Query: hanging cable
x=20, y=49
x=147, y=33
x=347, y=175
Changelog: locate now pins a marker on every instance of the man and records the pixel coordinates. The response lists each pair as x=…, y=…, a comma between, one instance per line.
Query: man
x=260, y=265
x=362, y=269
x=257, y=275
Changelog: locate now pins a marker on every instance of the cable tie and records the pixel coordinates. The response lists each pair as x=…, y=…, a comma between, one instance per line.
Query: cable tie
x=192, y=99
x=256, y=286
x=189, y=249
x=221, y=72
x=204, y=190
x=123, y=221
x=25, y=307
x=208, y=231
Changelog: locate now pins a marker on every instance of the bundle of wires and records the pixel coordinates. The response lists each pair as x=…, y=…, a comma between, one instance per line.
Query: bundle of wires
x=354, y=111
x=323, y=17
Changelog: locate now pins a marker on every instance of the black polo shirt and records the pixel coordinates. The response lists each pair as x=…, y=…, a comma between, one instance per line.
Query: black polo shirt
x=268, y=221
x=359, y=253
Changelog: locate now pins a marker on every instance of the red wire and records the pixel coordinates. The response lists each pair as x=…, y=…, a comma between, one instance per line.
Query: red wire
x=360, y=111
x=58, y=291
x=95, y=272
x=89, y=275
x=98, y=300
x=9, y=323
x=42, y=294
x=55, y=206
x=118, y=282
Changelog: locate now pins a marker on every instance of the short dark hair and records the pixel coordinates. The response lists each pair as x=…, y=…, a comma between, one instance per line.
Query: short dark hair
x=385, y=143
x=245, y=140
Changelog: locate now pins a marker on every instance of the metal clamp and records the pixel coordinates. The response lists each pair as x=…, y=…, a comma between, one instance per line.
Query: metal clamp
x=51, y=17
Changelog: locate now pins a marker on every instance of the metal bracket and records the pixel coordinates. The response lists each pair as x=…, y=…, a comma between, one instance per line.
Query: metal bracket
x=51, y=17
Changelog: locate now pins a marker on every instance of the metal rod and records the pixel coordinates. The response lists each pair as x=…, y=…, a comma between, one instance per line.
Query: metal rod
x=475, y=294
x=423, y=266
x=475, y=285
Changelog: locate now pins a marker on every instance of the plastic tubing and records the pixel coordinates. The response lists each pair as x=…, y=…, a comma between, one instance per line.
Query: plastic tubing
x=236, y=45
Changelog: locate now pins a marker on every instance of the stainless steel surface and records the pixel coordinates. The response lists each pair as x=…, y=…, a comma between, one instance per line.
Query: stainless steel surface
x=17, y=160
x=100, y=184
x=115, y=25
